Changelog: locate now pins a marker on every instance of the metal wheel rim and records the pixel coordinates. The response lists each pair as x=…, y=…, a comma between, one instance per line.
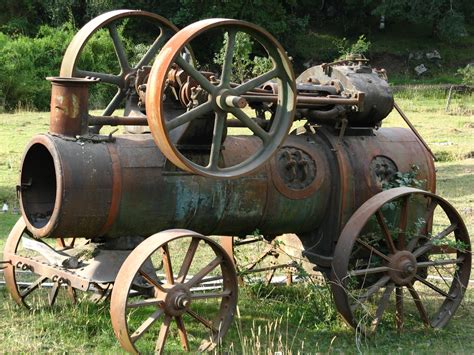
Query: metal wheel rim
x=156, y=87
x=11, y=247
x=74, y=50
x=129, y=270
x=340, y=273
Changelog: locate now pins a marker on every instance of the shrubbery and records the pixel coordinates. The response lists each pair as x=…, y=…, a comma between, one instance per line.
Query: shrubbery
x=25, y=62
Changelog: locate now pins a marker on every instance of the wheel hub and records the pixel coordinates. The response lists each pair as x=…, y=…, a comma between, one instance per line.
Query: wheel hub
x=403, y=267
x=225, y=100
x=177, y=301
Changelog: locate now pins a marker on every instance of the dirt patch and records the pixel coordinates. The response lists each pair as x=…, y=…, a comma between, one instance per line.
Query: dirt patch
x=392, y=63
x=469, y=155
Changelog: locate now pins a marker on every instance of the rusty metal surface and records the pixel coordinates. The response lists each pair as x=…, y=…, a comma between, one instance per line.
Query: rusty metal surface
x=107, y=185
x=354, y=178
x=87, y=189
x=323, y=182
x=131, y=76
x=404, y=262
x=40, y=271
x=354, y=80
x=173, y=295
x=69, y=106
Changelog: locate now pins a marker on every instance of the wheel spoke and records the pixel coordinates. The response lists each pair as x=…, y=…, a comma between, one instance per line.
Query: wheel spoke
x=419, y=305
x=146, y=325
x=403, y=223
x=201, y=320
x=424, y=264
x=114, y=103
x=182, y=332
x=203, y=272
x=250, y=123
x=153, y=50
x=119, y=48
x=372, y=289
x=144, y=303
x=219, y=125
x=195, y=74
x=433, y=287
x=183, y=272
x=426, y=247
x=53, y=293
x=255, y=82
x=189, y=116
x=160, y=342
x=200, y=296
x=374, y=270
x=382, y=306
x=229, y=55
x=151, y=280
x=399, y=308
x=372, y=249
x=385, y=231
x=71, y=293
x=104, y=78
x=167, y=264
x=33, y=286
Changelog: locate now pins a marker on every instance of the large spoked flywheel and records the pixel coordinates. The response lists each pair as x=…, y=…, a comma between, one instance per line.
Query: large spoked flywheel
x=117, y=47
x=225, y=91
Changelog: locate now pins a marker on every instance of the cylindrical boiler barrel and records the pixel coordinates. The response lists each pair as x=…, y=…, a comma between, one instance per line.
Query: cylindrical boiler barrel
x=78, y=188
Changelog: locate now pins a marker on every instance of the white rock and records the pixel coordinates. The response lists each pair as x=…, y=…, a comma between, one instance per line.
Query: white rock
x=420, y=69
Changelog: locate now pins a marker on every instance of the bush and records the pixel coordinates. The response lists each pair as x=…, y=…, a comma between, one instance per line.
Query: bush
x=345, y=49
x=467, y=74
x=25, y=62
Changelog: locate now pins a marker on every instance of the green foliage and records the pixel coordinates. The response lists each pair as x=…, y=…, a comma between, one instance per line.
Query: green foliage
x=446, y=17
x=404, y=179
x=25, y=62
x=346, y=49
x=467, y=74
x=245, y=63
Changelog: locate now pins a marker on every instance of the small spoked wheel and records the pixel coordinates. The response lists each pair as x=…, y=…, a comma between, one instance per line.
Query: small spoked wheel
x=26, y=287
x=212, y=100
x=177, y=288
x=402, y=260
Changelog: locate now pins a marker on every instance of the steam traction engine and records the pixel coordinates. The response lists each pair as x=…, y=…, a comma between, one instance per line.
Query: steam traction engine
x=212, y=156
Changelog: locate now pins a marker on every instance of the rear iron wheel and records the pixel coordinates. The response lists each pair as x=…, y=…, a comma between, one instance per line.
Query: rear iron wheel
x=403, y=259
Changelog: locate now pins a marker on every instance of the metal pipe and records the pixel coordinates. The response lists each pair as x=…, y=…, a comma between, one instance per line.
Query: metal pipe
x=117, y=121
x=69, y=105
x=319, y=100
x=138, y=121
x=418, y=135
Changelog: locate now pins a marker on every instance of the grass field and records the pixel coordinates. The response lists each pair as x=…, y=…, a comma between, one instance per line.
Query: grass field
x=293, y=319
